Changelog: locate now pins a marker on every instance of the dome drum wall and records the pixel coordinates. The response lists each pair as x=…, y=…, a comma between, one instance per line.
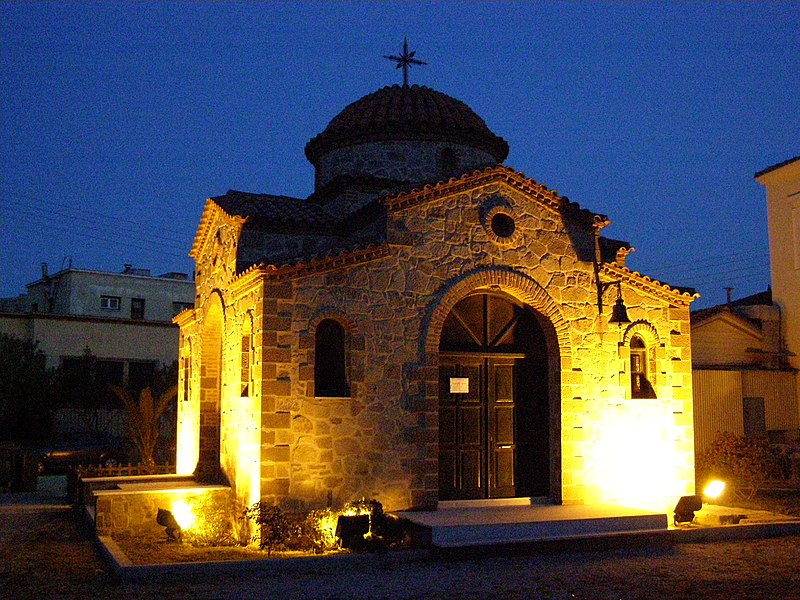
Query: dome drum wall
x=407, y=161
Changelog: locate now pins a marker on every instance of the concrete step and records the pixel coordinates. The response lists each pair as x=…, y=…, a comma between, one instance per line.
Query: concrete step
x=482, y=525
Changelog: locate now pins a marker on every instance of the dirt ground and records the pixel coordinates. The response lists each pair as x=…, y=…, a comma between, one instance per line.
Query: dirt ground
x=47, y=553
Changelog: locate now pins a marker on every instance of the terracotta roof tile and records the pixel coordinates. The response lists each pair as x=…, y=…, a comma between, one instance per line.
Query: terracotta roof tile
x=406, y=113
x=284, y=209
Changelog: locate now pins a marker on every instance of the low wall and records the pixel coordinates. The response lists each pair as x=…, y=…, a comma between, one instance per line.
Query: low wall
x=132, y=507
x=89, y=485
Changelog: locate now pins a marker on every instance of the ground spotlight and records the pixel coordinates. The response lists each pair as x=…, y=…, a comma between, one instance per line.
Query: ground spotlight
x=684, y=510
x=167, y=520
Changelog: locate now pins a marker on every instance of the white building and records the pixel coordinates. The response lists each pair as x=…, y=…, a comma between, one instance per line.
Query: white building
x=124, y=319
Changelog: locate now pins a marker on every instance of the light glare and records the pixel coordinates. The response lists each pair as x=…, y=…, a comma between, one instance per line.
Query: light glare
x=714, y=489
x=183, y=514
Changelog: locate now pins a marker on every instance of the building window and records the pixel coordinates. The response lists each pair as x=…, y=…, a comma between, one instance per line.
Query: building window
x=640, y=383
x=186, y=367
x=330, y=379
x=179, y=307
x=247, y=363
x=137, y=309
x=502, y=225
x=109, y=302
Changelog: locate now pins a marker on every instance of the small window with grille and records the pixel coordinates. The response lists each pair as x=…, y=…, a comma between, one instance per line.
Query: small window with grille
x=640, y=383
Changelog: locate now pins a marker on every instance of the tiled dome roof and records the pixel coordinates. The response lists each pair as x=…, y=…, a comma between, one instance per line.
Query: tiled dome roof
x=406, y=113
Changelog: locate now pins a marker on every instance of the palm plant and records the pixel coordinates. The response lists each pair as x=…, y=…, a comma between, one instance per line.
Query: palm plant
x=144, y=415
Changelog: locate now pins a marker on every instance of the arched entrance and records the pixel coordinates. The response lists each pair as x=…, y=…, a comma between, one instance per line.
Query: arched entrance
x=493, y=401
x=208, y=466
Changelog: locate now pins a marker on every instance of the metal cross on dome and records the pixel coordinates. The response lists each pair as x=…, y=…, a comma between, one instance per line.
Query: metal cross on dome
x=405, y=60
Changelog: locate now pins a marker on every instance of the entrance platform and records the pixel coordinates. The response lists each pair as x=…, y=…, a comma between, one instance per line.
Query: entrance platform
x=466, y=524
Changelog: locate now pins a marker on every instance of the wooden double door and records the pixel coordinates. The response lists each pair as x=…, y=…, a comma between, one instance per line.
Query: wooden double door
x=477, y=428
x=493, y=402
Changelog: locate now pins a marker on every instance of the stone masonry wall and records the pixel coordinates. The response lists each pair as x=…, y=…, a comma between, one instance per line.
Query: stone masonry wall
x=411, y=161
x=134, y=513
x=383, y=441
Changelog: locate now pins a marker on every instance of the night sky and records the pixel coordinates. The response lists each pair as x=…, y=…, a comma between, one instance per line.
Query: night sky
x=120, y=119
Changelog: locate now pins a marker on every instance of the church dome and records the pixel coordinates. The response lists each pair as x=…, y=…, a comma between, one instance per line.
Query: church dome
x=407, y=113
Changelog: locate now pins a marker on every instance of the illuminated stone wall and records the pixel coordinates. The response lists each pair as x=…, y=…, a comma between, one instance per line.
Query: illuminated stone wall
x=120, y=512
x=219, y=428
x=382, y=441
x=409, y=161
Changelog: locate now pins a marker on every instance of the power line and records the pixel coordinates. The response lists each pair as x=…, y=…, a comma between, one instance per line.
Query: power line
x=46, y=218
x=59, y=206
x=114, y=241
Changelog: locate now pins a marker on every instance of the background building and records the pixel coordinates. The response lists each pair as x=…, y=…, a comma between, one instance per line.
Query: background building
x=745, y=352
x=782, y=183
x=107, y=327
x=742, y=380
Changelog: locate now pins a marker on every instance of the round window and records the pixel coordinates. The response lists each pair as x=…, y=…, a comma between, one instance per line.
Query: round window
x=502, y=225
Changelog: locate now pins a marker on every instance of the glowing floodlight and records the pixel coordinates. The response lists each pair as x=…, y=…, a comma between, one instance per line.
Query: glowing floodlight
x=714, y=489
x=183, y=514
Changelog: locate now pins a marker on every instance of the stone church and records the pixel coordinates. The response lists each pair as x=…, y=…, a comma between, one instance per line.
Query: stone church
x=429, y=325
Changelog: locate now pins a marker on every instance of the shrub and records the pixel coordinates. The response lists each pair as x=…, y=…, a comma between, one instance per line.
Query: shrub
x=25, y=390
x=213, y=525
x=315, y=531
x=385, y=531
x=319, y=527
x=274, y=527
x=744, y=463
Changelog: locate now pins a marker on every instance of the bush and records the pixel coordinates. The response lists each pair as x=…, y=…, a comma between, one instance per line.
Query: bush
x=274, y=527
x=214, y=525
x=385, y=531
x=318, y=528
x=744, y=463
x=313, y=531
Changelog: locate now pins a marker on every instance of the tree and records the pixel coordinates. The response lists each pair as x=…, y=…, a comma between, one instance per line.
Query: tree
x=25, y=390
x=144, y=417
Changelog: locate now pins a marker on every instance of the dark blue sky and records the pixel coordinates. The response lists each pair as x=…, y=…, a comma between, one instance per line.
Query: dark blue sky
x=119, y=119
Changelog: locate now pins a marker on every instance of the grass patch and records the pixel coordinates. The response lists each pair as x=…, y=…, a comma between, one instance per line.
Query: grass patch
x=147, y=550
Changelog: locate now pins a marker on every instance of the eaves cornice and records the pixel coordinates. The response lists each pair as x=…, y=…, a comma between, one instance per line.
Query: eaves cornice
x=470, y=181
x=646, y=284
x=211, y=213
x=313, y=266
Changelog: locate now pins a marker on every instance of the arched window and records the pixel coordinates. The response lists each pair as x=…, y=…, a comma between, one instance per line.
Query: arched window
x=330, y=377
x=640, y=382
